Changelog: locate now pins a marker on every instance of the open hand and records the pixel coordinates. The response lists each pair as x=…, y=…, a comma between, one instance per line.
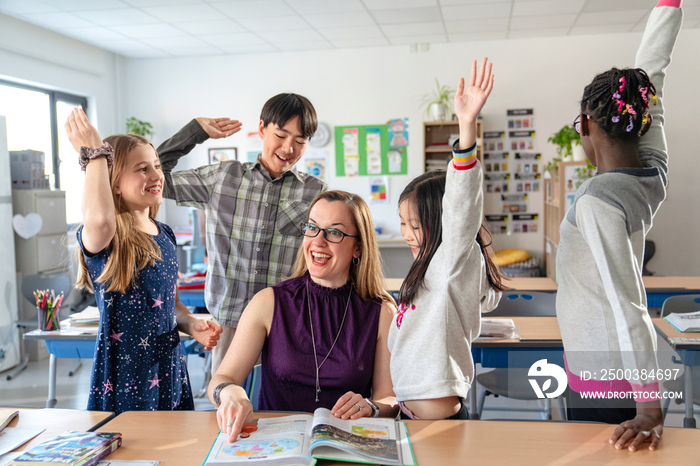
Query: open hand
x=351, y=406
x=647, y=426
x=206, y=332
x=470, y=101
x=80, y=132
x=218, y=128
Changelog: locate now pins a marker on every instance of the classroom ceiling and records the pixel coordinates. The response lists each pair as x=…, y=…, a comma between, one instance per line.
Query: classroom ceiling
x=184, y=28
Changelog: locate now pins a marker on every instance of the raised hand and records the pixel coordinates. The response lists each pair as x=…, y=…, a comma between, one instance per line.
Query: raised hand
x=80, y=132
x=470, y=101
x=218, y=128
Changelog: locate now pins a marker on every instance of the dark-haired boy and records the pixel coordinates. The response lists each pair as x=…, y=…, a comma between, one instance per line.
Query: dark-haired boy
x=254, y=210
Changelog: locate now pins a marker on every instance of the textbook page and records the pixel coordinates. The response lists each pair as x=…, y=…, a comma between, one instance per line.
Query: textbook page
x=273, y=441
x=365, y=439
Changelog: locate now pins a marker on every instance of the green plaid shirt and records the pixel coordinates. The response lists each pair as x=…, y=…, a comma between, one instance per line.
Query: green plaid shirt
x=253, y=222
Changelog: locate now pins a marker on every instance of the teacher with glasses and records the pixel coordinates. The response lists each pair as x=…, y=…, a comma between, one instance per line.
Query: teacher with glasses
x=322, y=334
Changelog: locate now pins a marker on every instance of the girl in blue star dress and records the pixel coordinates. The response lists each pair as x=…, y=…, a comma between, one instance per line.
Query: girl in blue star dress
x=129, y=261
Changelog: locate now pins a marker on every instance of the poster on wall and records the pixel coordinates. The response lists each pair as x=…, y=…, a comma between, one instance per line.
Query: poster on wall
x=366, y=151
x=254, y=146
x=379, y=190
x=314, y=162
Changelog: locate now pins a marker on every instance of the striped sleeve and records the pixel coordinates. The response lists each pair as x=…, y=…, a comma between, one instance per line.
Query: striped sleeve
x=463, y=159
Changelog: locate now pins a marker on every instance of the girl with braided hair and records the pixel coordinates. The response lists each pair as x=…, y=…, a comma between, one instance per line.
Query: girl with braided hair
x=601, y=301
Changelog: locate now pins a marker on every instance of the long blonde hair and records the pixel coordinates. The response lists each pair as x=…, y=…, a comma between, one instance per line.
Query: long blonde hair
x=131, y=249
x=367, y=276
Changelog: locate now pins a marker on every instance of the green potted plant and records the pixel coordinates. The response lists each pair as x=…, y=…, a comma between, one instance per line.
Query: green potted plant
x=583, y=173
x=566, y=139
x=438, y=103
x=136, y=126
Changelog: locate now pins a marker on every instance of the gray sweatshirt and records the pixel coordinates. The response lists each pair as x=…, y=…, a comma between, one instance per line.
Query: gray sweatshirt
x=431, y=345
x=601, y=302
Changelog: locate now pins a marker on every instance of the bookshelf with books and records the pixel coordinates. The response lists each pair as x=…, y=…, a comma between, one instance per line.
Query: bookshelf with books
x=559, y=191
x=437, y=139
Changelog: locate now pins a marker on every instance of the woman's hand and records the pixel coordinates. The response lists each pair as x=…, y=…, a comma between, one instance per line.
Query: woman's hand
x=235, y=411
x=218, y=128
x=647, y=425
x=469, y=102
x=206, y=332
x=351, y=406
x=80, y=132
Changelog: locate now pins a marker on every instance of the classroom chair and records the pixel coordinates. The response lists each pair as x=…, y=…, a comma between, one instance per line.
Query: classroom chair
x=252, y=385
x=196, y=250
x=681, y=304
x=513, y=382
x=58, y=282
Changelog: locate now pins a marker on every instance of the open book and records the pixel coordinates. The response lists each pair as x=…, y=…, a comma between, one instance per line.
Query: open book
x=689, y=322
x=301, y=439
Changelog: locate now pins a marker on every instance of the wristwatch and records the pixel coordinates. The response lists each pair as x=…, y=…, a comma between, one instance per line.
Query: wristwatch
x=216, y=393
x=375, y=409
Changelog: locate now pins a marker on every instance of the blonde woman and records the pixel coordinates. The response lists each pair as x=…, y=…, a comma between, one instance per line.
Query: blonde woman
x=322, y=333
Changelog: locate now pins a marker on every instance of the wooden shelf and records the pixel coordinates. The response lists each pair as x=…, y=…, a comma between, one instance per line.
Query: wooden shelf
x=554, y=211
x=438, y=132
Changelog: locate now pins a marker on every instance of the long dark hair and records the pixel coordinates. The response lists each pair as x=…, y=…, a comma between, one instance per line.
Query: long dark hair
x=618, y=101
x=426, y=192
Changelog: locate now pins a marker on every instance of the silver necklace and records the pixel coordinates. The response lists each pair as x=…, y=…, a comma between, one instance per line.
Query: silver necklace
x=313, y=339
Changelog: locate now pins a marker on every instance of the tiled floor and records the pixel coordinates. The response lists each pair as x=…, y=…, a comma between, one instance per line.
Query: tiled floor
x=30, y=389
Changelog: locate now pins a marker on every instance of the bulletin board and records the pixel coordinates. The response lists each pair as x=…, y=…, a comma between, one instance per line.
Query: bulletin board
x=365, y=151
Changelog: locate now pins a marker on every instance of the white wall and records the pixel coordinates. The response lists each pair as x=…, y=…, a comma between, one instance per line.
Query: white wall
x=372, y=85
x=36, y=56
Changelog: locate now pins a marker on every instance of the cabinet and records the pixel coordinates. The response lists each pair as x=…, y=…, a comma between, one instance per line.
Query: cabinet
x=437, y=150
x=45, y=252
x=559, y=192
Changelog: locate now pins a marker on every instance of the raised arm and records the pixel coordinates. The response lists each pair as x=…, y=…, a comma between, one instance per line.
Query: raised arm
x=195, y=132
x=235, y=408
x=463, y=201
x=99, y=219
x=654, y=56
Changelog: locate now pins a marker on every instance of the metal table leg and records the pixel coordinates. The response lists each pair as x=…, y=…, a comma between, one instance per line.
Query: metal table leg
x=689, y=420
x=473, y=413
x=51, y=401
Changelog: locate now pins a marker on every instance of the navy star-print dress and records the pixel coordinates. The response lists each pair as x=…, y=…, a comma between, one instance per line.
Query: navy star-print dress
x=138, y=363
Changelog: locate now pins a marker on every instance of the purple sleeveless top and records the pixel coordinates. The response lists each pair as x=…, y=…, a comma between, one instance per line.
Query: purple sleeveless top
x=288, y=381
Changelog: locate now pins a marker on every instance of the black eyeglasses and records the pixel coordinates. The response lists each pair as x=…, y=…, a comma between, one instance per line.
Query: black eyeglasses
x=332, y=235
x=577, y=124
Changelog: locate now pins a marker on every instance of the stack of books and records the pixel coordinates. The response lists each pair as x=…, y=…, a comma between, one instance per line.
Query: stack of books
x=498, y=328
x=71, y=448
x=87, y=321
x=688, y=322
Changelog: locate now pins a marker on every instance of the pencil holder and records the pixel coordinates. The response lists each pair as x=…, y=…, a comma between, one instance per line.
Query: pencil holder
x=47, y=318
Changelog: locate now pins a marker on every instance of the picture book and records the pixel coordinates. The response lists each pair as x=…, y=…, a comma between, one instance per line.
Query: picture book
x=71, y=448
x=6, y=416
x=689, y=322
x=302, y=439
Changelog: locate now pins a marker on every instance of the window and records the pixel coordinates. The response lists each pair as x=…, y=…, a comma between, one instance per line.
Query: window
x=35, y=120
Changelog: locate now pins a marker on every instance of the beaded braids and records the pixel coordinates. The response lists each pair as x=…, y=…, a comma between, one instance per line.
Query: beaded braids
x=618, y=101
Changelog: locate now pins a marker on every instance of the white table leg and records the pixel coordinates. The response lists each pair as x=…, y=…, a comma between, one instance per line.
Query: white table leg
x=51, y=402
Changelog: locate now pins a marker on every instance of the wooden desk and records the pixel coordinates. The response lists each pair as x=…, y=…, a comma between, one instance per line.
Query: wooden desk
x=539, y=443
x=57, y=421
x=66, y=344
x=540, y=338
x=185, y=437
x=517, y=284
x=690, y=355
x=531, y=284
x=661, y=288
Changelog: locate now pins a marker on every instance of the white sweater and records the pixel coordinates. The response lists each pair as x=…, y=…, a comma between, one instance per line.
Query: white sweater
x=601, y=302
x=431, y=351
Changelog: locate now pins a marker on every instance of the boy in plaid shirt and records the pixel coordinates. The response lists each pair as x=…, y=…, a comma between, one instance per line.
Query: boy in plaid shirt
x=254, y=210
